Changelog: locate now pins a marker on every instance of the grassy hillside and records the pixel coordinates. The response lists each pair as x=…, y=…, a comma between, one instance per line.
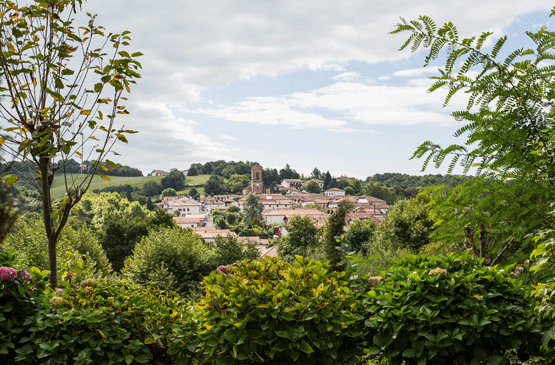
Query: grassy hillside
x=58, y=187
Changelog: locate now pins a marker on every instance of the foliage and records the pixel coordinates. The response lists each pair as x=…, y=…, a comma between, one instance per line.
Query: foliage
x=269, y=311
x=193, y=193
x=78, y=249
x=19, y=291
x=495, y=218
x=8, y=214
x=252, y=212
x=313, y=187
x=175, y=180
x=358, y=235
x=333, y=230
x=508, y=123
x=301, y=239
x=214, y=185
x=118, y=239
x=236, y=183
x=451, y=309
x=228, y=250
x=182, y=252
x=56, y=103
x=152, y=188
x=327, y=180
x=380, y=191
x=544, y=260
x=407, y=225
x=408, y=186
x=169, y=192
x=192, y=171
x=111, y=322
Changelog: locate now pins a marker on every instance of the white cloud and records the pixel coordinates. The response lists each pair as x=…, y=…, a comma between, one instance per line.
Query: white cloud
x=161, y=133
x=225, y=136
x=192, y=45
x=348, y=101
x=416, y=72
x=347, y=76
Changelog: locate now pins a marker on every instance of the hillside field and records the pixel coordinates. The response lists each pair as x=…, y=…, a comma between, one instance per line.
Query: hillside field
x=58, y=187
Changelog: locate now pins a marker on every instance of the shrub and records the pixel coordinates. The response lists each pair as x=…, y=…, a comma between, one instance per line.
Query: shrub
x=270, y=311
x=77, y=250
x=111, y=323
x=19, y=290
x=181, y=252
x=447, y=310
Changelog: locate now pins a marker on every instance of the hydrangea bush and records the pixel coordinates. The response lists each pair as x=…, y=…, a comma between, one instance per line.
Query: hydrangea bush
x=449, y=310
x=19, y=290
x=272, y=312
x=110, y=323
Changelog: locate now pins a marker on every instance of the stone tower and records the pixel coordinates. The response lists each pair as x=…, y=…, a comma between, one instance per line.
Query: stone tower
x=257, y=185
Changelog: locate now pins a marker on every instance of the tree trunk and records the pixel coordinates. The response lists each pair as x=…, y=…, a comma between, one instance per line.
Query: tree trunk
x=482, y=240
x=48, y=224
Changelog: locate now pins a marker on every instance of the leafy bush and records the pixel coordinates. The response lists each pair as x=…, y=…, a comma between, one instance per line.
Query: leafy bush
x=77, y=250
x=181, y=252
x=110, y=323
x=19, y=290
x=228, y=250
x=447, y=310
x=270, y=311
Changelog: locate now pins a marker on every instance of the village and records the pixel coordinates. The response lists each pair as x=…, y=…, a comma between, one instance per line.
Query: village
x=278, y=209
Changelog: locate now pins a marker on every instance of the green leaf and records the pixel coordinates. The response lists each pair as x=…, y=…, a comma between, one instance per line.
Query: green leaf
x=149, y=340
x=129, y=359
x=305, y=347
x=136, y=54
x=107, y=179
x=59, y=84
x=10, y=180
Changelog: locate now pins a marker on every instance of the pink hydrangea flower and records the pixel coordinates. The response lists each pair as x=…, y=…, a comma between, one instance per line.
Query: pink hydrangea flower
x=59, y=291
x=7, y=273
x=221, y=268
x=25, y=275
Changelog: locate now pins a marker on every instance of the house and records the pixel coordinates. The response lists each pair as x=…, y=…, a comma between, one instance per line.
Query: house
x=334, y=192
x=209, y=234
x=182, y=204
x=191, y=221
x=159, y=173
x=282, y=216
x=292, y=183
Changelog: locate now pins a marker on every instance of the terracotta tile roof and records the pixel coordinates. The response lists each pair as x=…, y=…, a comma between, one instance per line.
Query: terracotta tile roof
x=270, y=252
x=192, y=218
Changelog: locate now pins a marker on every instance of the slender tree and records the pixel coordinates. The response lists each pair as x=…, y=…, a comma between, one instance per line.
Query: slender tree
x=61, y=97
x=335, y=227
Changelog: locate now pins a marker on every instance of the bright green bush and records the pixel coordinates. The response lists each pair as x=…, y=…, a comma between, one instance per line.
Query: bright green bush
x=449, y=310
x=111, y=323
x=78, y=250
x=181, y=253
x=19, y=291
x=272, y=312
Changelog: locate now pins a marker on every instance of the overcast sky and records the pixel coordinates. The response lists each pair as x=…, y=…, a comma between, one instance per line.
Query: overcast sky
x=309, y=83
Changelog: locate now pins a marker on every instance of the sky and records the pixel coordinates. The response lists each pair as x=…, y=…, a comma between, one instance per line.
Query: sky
x=305, y=83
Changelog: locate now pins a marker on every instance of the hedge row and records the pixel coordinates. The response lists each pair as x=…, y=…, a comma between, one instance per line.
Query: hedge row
x=425, y=310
